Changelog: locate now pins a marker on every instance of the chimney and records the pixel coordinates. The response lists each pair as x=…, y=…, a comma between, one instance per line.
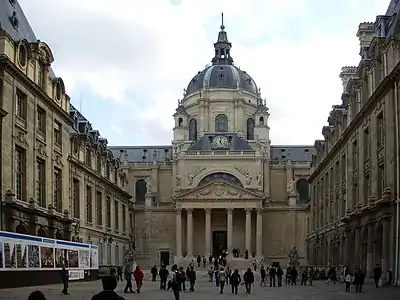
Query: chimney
x=347, y=73
x=365, y=34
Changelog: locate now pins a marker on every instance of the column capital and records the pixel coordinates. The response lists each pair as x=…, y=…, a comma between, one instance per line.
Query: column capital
x=248, y=210
x=189, y=210
x=229, y=210
x=259, y=210
x=178, y=211
x=207, y=210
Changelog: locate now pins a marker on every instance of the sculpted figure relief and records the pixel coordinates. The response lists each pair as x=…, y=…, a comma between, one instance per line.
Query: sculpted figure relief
x=148, y=184
x=178, y=180
x=190, y=179
x=290, y=188
x=259, y=179
x=248, y=178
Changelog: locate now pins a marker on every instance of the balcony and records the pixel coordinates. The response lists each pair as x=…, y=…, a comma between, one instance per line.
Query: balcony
x=220, y=153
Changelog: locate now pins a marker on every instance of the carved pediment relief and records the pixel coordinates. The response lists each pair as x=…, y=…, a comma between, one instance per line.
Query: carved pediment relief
x=58, y=159
x=21, y=137
x=219, y=190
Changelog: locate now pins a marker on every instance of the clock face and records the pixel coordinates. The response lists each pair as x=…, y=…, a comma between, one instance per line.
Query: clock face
x=220, y=141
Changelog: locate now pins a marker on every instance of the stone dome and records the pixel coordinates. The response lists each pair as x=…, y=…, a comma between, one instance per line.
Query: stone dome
x=222, y=76
x=222, y=73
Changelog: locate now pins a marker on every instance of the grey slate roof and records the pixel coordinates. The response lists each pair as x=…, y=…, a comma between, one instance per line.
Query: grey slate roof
x=389, y=21
x=204, y=143
x=301, y=153
x=143, y=153
x=24, y=29
x=222, y=76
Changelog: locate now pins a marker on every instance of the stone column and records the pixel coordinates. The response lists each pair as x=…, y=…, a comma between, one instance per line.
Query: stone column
x=189, y=232
x=346, y=245
x=385, y=246
x=178, y=233
x=248, y=231
x=357, y=245
x=230, y=229
x=329, y=253
x=370, y=250
x=208, y=232
x=259, y=233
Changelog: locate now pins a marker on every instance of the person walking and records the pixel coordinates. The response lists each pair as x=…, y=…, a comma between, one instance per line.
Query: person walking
x=235, y=281
x=248, y=279
x=154, y=273
x=175, y=283
x=347, y=280
x=191, y=275
x=163, y=273
x=377, y=275
x=263, y=274
x=64, y=279
x=138, y=275
x=221, y=280
x=128, y=278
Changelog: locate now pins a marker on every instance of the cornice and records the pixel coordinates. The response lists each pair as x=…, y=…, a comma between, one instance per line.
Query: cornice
x=34, y=88
x=382, y=89
x=100, y=178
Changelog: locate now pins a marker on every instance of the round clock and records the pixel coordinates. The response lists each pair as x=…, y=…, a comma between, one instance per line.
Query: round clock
x=220, y=141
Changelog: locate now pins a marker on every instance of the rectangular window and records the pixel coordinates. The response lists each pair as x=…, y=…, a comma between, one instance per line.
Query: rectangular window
x=88, y=157
x=89, y=204
x=40, y=182
x=41, y=120
x=381, y=181
x=107, y=171
x=57, y=133
x=116, y=214
x=98, y=164
x=108, y=212
x=354, y=194
x=355, y=155
x=343, y=165
x=57, y=190
x=367, y=188
x=123, y=218
x=76, y=199
x=20, y=174
x=367, y=144
x=130, y=222
x=41, y=75
x=99, y=208
x=21, y=105
x=380, y=122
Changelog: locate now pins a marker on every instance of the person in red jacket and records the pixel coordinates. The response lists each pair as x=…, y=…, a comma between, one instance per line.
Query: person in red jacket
x=138, y=275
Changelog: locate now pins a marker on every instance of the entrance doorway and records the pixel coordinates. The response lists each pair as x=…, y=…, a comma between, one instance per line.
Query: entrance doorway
x=219, y=242
x=164, y=258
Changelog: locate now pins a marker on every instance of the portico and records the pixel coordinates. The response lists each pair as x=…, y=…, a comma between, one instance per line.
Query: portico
x=223, y=208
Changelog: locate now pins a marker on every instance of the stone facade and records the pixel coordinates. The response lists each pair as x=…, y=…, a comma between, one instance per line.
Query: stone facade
x=220, y=183
x=57, y=175
x=354, y=180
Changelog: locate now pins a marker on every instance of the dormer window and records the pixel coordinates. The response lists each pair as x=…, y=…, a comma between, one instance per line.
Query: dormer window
x=14, y=20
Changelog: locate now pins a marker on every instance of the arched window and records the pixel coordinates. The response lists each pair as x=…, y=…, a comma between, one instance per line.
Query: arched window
x=302, y=190
x=21, y=228
x=220, y=176
x=42, y=232
x=261, y=120
x=180, y=122
x=193, y=130
x=250, y=129
x=221, y=123
x=140, y=190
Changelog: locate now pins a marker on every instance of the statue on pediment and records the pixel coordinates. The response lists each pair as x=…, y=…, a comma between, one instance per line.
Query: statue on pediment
x=190, y=179
x=259, y=179
x=248, y=178
x=148, y=185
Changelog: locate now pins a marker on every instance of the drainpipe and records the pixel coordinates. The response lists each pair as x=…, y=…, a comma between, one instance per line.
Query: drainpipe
x=396, y=103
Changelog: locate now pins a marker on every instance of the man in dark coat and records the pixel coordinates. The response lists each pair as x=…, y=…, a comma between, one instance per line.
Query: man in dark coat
x=64, y=279
x=163, y=277
x=248, y=279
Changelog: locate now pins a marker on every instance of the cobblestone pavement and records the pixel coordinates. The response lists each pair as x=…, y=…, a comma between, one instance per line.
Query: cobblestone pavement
x=320, y=290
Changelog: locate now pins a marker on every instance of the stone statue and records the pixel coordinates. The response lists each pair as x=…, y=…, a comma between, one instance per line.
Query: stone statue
x=290, y=188
x=190, y=179
x=178, y=180
x=294, y=256
x=248, y=178
x=259, y=179
x=201, y=132
x=148, y=184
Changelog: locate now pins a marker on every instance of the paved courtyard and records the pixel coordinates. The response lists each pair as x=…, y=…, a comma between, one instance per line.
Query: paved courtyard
x=204, y=290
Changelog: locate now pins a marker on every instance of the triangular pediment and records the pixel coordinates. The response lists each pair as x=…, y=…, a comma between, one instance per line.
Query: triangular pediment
x=220, y=189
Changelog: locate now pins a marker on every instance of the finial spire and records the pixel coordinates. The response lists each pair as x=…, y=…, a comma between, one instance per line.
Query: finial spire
x=222, y=21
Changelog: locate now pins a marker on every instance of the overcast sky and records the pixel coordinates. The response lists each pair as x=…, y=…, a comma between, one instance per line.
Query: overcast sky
x=125, y=63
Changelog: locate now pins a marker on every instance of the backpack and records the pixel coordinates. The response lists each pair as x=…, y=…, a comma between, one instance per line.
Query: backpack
x=222, y=277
